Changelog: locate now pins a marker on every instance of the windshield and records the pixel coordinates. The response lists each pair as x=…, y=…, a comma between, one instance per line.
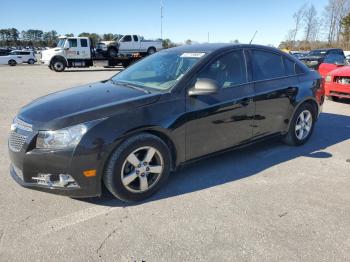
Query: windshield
x=160, y=71
x=317, y=53
x=61, y=43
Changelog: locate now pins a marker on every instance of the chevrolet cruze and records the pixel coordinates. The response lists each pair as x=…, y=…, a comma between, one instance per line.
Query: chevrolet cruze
x=131, y=131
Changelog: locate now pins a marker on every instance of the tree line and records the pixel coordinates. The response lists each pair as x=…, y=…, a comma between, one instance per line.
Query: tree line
x=37, y=38
x=311, y=30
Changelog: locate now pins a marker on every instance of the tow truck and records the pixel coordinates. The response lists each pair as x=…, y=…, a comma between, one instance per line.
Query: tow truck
x=73, y=52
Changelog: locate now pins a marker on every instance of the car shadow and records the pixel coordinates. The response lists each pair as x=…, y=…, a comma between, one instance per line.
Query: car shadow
x=330, y=130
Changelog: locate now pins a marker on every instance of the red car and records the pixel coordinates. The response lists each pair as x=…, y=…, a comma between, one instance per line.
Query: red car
x=337, y=83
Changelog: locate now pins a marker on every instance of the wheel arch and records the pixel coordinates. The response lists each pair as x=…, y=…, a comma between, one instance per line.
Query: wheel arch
x=309, y=100
x=59, y=57
x=156, y=131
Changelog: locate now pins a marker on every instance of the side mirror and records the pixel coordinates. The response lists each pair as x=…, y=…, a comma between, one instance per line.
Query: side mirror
x=204, y=86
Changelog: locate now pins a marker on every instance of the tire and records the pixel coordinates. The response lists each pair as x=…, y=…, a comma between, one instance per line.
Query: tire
x=12, y=62
x=112, y=52
x=333, y=98
x=151, y=51
x=300, y=131
x=128, y=188
x=50, y=67
x=58, y=65
x=125, y=64
x=31, y=61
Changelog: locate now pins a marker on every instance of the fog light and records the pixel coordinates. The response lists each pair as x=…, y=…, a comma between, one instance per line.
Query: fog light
x=56, y=181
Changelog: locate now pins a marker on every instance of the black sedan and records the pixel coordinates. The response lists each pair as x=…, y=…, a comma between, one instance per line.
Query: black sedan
x=131, y=131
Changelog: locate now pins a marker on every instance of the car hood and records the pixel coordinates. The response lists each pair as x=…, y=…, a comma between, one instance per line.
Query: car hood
x=82, y=104
x=341, y=71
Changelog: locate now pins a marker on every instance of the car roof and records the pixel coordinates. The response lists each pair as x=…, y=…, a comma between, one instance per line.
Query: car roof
x=209, y=48
x=326, y=49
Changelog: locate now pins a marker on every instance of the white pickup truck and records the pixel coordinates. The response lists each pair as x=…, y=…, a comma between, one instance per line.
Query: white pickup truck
x=127, y=44
x=78, y=52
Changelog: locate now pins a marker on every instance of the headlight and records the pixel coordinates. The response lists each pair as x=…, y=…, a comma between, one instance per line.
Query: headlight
x=64, y=138
x=328, y=78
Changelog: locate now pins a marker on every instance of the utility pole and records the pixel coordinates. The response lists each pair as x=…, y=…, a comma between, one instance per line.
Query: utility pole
x=161, y=19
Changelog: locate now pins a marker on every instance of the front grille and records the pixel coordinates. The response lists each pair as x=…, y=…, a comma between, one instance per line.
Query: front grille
x=342, y=80
x=16, y=141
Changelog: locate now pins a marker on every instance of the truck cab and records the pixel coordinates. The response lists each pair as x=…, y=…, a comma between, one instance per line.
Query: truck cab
x=69, y=52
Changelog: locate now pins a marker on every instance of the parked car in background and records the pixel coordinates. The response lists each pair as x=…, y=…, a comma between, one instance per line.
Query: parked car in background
x=11, y=60
x=179, y=105
x=317, y=56
x=299, y=54
x=4, y=51
x=26, y=56
x=128, y=44
x=337, y=83
x=330, y=63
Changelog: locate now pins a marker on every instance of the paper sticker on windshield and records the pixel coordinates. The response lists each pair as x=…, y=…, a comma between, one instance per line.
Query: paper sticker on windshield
x=198, y=55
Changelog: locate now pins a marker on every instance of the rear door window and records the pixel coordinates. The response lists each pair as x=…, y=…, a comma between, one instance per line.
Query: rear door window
x=83, y=43
x=267, y=65
x=136, y=39
x=289, y=66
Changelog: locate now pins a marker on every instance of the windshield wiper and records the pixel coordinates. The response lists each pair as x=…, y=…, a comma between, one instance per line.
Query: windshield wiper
x=131, y=86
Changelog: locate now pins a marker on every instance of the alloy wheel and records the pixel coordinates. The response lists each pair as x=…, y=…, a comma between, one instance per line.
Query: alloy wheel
x=142, y=169
x=303, y=125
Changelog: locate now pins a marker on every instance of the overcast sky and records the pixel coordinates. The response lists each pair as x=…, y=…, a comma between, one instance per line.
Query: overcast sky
x=225, y=20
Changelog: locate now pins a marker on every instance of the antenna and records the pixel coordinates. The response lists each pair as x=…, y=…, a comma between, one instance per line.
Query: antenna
x=161, y=19
x=253, y=37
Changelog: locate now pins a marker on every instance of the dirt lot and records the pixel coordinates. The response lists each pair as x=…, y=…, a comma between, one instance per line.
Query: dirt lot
x=269, y=202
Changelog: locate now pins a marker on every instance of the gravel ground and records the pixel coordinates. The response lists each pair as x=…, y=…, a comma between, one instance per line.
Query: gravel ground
x=268, y=202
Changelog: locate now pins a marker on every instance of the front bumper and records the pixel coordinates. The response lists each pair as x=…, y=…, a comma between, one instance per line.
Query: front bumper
x=71, y=192
x=336, y=89
x=29, y=164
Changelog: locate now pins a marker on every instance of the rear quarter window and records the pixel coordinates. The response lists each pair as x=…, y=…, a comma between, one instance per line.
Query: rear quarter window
x=289, y=66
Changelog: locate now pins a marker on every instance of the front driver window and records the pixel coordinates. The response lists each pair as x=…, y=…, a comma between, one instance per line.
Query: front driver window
x=228, y=70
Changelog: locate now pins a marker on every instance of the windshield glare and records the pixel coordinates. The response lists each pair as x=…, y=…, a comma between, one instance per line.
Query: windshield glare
x=61, y=43
x=160, y=71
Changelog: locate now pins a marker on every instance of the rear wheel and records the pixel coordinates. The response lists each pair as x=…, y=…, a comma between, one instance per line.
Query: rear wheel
x=58, y=65
x=138, y=168
x=333, y=98
x=151, y=50
x=31, y=61
x=12, y=62
x=302, y=125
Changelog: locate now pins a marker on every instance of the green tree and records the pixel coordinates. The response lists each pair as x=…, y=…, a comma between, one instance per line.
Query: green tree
x=346, y=31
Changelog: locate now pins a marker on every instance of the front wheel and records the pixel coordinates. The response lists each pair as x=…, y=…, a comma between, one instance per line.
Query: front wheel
x=302, y=125
x=112, y=52
x=333, y=98
x=58, y=65
x=31, y=61
x=138, y=168
x=12, y=62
